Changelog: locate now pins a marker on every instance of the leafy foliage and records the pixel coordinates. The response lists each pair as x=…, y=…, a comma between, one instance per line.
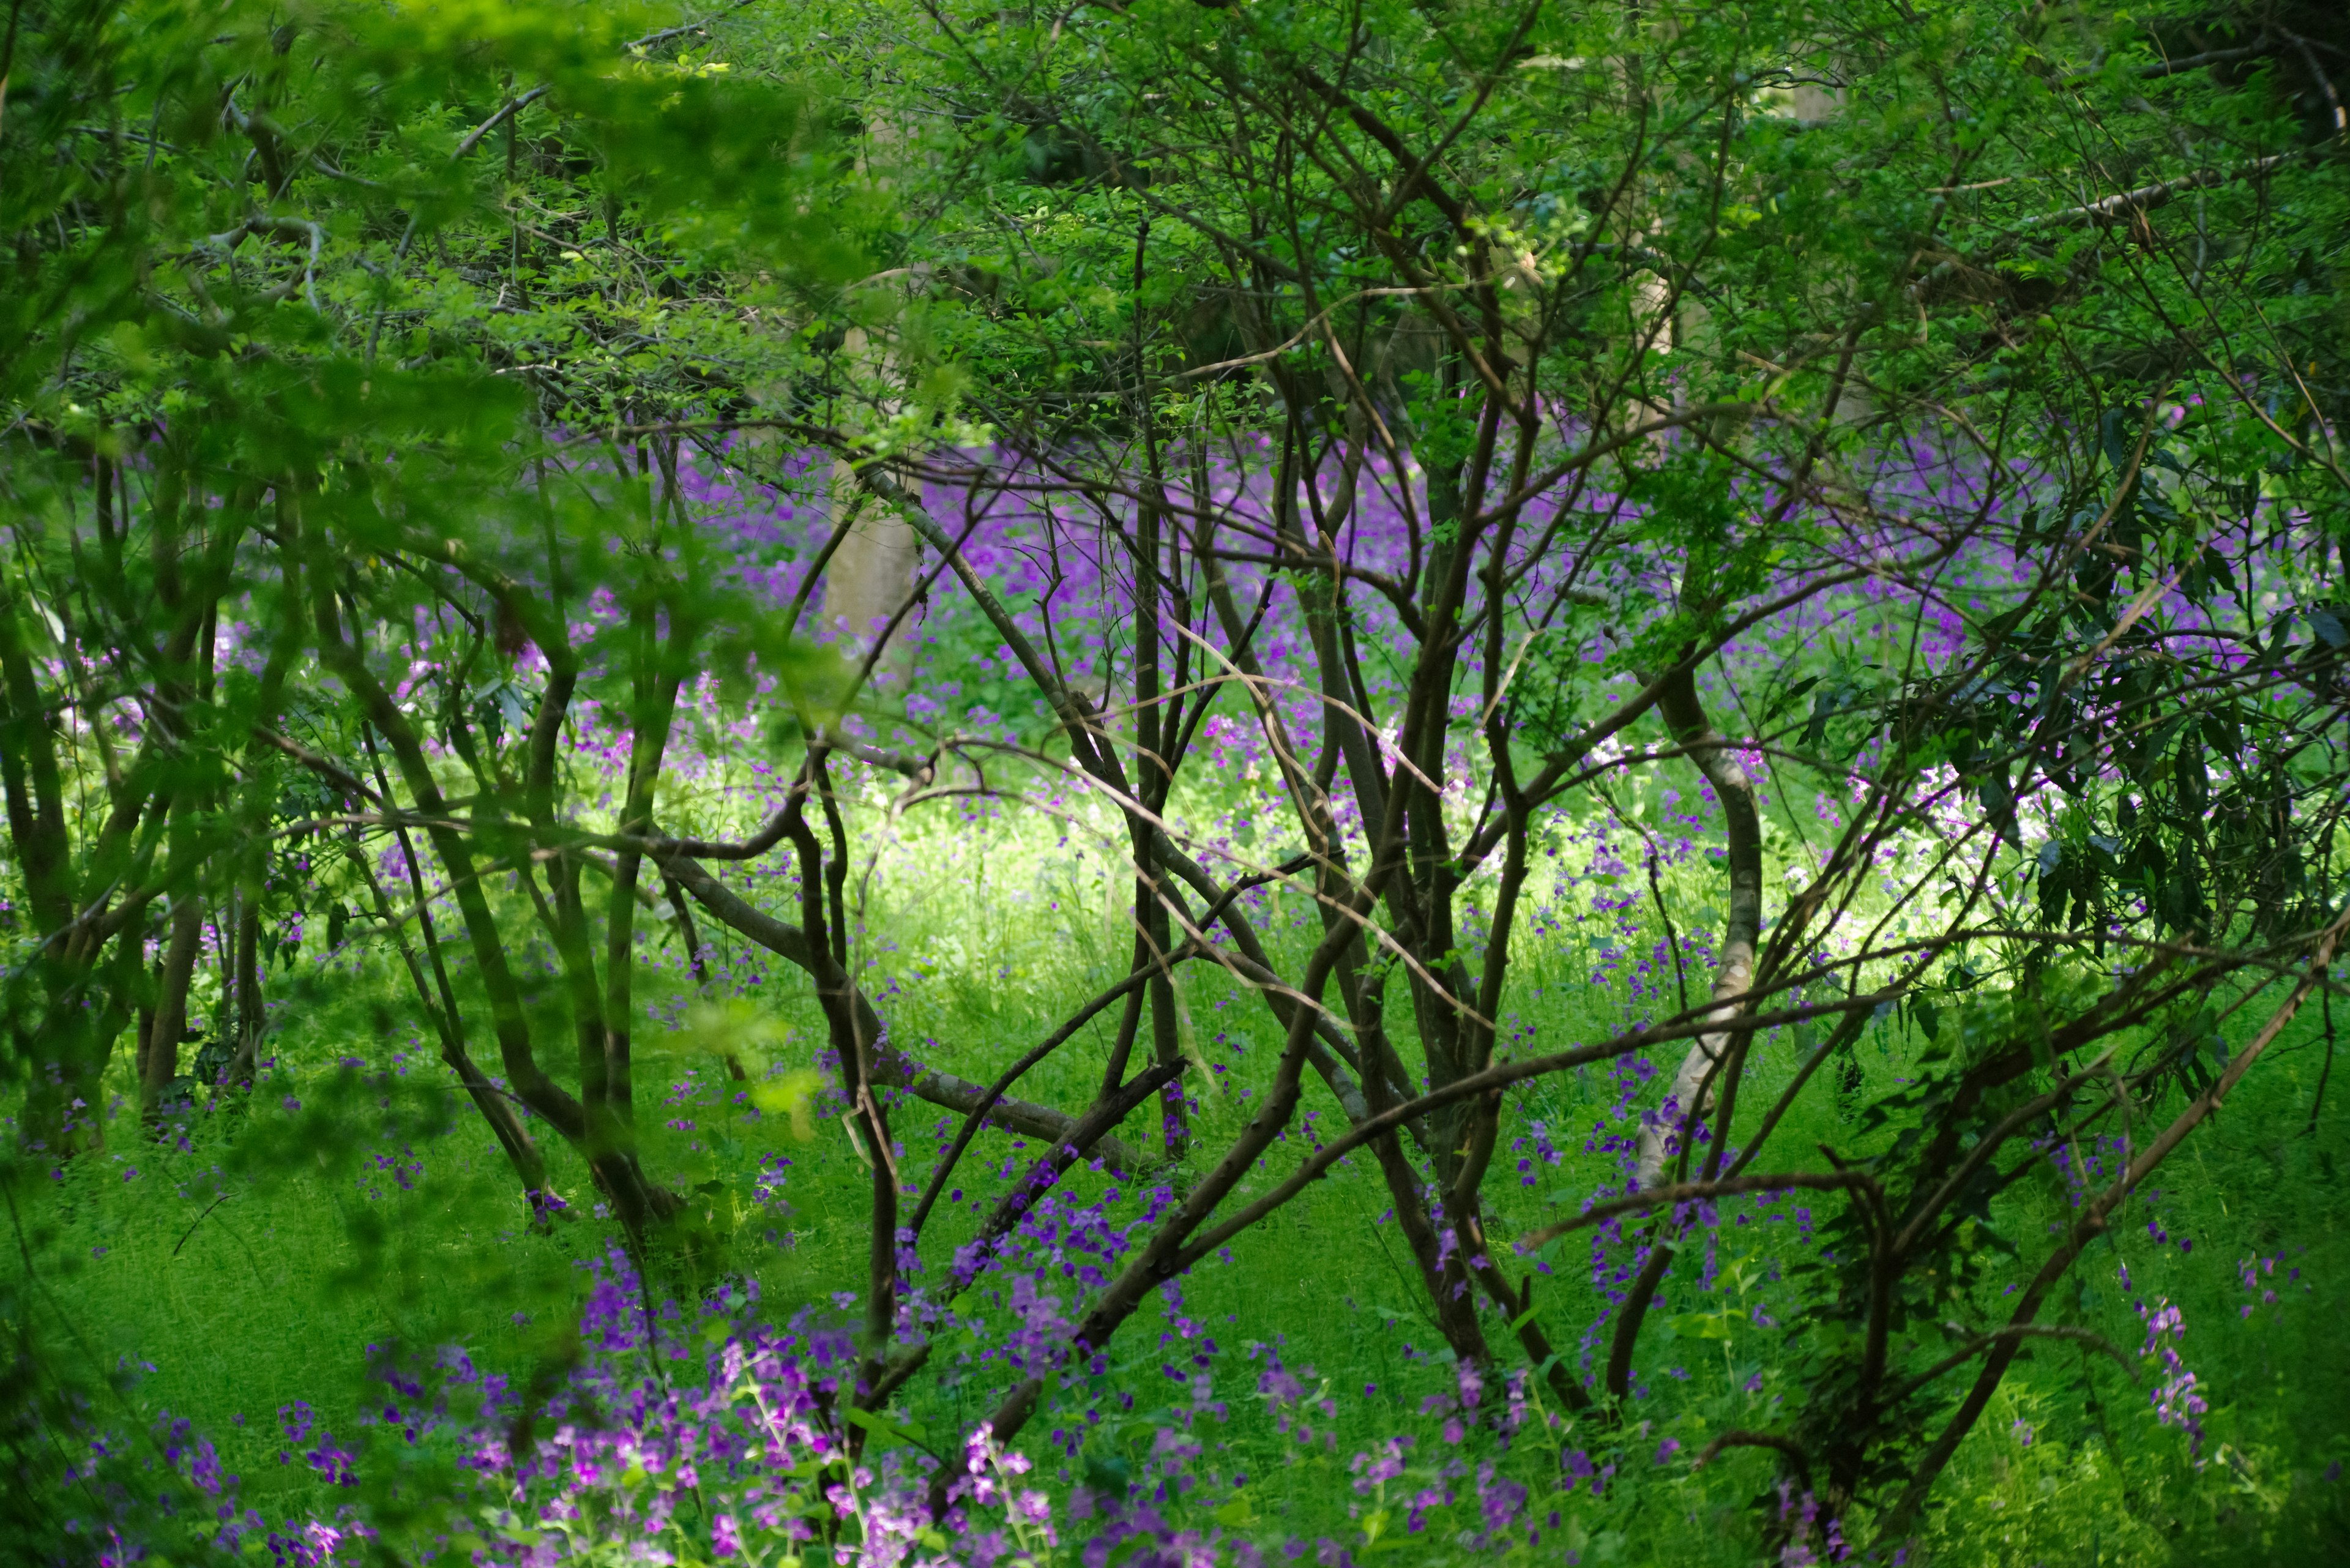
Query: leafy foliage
x=1345, y=471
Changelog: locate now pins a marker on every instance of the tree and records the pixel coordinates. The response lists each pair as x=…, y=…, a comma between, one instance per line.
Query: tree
x=1546, y=370
x=1587, y=348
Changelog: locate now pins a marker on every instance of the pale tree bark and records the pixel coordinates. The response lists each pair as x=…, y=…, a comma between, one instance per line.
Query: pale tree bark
x=1695, y=1086
x=870, y=575
x=870, y=579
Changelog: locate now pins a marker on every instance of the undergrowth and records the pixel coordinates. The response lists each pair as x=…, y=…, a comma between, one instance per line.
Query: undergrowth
x=254, y=1271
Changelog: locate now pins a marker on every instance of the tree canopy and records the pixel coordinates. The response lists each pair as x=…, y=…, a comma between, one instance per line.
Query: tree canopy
x=1785, y=527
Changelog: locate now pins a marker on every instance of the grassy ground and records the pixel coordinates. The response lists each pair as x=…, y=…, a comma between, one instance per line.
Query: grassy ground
x=357, y=1204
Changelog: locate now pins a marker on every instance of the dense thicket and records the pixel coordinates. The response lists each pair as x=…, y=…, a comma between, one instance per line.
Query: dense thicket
x=582, y=528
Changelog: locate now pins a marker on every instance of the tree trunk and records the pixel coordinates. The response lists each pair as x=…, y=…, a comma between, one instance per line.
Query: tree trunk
x=249, y=1016
x=1659, y=1139
x=870, y=577
x=160, y=1062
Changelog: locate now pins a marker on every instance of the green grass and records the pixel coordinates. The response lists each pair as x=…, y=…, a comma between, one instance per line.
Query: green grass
x=253, y=1271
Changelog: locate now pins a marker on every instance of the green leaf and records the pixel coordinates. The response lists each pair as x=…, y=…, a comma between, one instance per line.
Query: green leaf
x=1717, y=1325
x=883, y=1425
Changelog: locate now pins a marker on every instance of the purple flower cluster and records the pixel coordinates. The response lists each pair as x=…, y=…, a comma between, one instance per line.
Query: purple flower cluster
x=2176, y=1399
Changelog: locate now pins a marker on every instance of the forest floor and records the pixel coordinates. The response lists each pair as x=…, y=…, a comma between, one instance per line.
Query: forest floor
x=249, y=1271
